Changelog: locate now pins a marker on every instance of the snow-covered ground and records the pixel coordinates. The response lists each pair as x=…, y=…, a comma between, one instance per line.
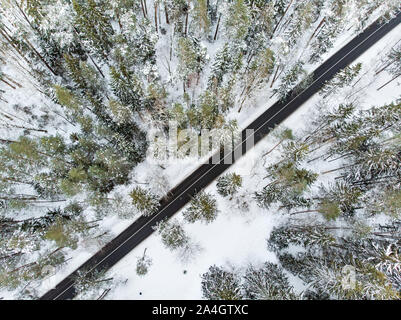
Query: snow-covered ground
x=234, y=237
x=237, y=238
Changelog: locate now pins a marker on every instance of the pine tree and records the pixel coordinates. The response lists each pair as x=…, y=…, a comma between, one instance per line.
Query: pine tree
x=173, y=235
x=342, y=78
x=73, y=184
x=177, y=114
x=143, y=264
x=94, y=26
x=144, y=201
x=395, y=57
x=34, y=8
x=191, y=56
x=60, y=232
x=290, y=79
x=121, y=113
x=209, y=114
x=176, y=11
x=305, y=14
x=257, y=73
x=201, y=15
x=88, y=83
x=267, y=283
x=387, y=201
x=332, y=27
x=393, y=66
x=87, y=281
x=226, y=61
x=282, y=134
x=346, y=197
x=304, y=235
x=203, y=207
x=219, y=284
x=228, y=184
x=238, y=20
x=289, y=181
x=127, y=87
x=324, y=264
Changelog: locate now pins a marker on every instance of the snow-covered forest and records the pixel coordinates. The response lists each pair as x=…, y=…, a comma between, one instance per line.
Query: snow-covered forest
x=85, y=83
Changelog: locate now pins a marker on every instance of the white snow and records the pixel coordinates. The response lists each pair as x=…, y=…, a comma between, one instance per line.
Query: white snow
x=235, y=238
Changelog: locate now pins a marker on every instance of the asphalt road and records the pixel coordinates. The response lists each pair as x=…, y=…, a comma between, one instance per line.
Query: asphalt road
x=139, y=230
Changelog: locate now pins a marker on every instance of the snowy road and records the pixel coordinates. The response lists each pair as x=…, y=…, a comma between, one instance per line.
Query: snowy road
x=206, y=173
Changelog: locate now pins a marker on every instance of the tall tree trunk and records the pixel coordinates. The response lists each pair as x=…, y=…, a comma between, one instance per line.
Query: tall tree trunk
x=7, y=83
x=7, y=141
x=96, y=65
x=143, y=9
x=17, y=198
x=9, y=39
x=166, y=14
x=25, y=128
x=272, y=149
x=385, y=67
x=304, y=211
x=90, y=57
x=186, y=24
x=119, y=20
x=146, y=8
x=14, y=180
x=13, y=81
x=104, y=294
x=40, y=57
x=282, y=17
x=317, y=28
x=217, y=28
x=24, y=266
x=24, y=15
x=156, y=17
x=388, y=82
x=274, y=77
x=336, y=169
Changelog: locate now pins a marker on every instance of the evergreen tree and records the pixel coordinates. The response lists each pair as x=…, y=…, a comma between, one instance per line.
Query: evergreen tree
x=172, y=234
x=267, y=283
x=393, y=65
x=238, y=20
x=89, y=281
x=305, y=14
x=333, y=25
x=342, y=78
x=62, y=233
x=290, y=79
x=144, y=201
x=228, y=184
x=289, y=182
x=201, y=15
x=257, y=73
x=346, y=197
x=209, y=115
x=127, y=87
x=304, y=235
x=387, y=201
x=94, y=25
x=143, y=264
x=203, y=207
x=219, y=284
x=227, y=60
x=191, y=58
